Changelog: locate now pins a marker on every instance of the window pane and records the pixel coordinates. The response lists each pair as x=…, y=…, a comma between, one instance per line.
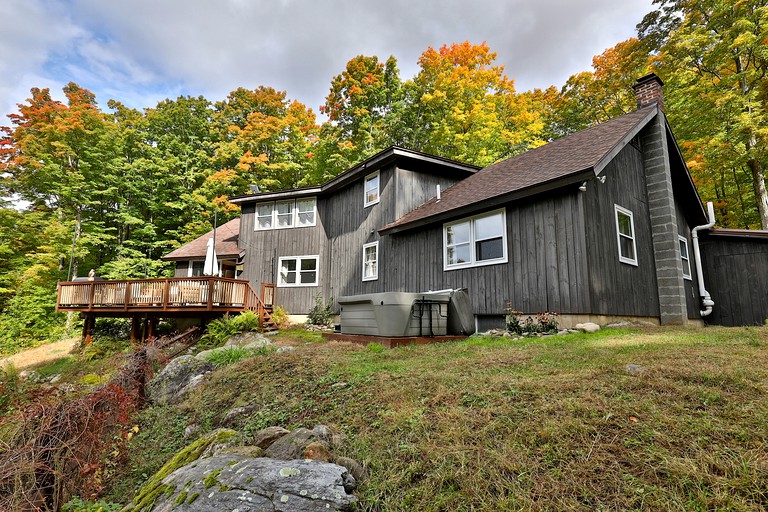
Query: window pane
x=372, y=189
x=309, y=264
x=307, y=219
x=683, y=249
x=265, y=222
x=458, y=254
x=284, y=220
x=306, y=209
x=457, y=233
x=625, y=223
x=288, y=265
x=489, y=249
x=197, y=268
x=627, y=247
x=489, y=227
x=264, y=216
x=284, y=207
x=308, y=277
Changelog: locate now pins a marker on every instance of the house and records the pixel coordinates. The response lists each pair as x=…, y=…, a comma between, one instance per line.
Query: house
x=594, y=226
x=190, y=257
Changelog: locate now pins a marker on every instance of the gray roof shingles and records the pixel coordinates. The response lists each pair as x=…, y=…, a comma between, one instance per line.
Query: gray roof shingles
x=553, y=161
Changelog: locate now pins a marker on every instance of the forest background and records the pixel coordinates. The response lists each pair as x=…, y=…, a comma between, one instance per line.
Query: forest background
x=116, y=189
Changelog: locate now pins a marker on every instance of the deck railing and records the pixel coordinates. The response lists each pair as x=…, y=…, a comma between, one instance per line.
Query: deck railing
x=209, y=293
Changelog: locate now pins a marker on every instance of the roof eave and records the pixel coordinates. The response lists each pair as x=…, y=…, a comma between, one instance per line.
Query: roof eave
x=491, y=203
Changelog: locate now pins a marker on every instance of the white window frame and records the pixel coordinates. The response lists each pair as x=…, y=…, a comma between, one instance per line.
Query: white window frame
x=256, y=225
x=294, y=214
x=290, y=214
x=616, y=210
x=376, y=175
x=298, y=260
x=473, y=241
x=375, y=275
x=685, y=260
x=296, y=222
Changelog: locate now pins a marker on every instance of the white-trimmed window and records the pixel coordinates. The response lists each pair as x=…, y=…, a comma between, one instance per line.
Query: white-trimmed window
x=476, y=241
x=305, y=212
x=371, y=195
x=286, y=214
x=298, y=271
x=371, y=261
x=264, y=216
x=685, y=257
x=625, y=235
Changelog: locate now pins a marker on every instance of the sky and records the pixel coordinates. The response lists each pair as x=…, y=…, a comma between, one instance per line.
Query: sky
x=142, y=51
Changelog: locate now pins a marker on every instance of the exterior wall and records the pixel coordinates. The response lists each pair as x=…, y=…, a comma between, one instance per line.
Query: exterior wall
x=693, y=303
x=546, y=269
x=182, y=269
x=617, y=288
x=736, y=276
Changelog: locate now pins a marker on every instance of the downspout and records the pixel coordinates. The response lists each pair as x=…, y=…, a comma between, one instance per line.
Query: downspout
x=706, y=300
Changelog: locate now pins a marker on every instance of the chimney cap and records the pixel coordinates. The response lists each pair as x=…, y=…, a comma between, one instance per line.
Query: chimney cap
x=650, y=77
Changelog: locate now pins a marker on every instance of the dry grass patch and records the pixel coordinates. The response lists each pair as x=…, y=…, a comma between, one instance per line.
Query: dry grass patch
x=543, y=424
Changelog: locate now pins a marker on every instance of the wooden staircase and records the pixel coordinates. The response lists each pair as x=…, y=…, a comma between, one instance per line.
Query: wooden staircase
x=263, y=306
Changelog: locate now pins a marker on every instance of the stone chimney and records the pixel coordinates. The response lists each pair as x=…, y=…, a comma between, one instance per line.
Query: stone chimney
x=648, y=91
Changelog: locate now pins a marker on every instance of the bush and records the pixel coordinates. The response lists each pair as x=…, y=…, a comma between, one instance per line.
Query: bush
x=321, y=313
x=76, y=504
x=545, y=322
x=221, y=329
x=280, y=316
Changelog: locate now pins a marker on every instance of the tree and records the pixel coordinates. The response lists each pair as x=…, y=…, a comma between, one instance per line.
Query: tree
x=461, y=106
x=715, y=56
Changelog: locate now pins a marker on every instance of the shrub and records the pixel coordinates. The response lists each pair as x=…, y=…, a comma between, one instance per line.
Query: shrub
x=545, y=322
x=513, y=323
x=280, y=316
x=76, y=504
x=221, y=329
x=321, y=313
x=231, y=355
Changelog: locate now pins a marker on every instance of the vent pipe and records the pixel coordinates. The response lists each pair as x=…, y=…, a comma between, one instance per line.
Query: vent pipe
x=706, y=300
x=437, y=191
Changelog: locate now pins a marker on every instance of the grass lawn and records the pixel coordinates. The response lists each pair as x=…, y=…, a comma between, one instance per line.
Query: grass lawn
x=489, y=424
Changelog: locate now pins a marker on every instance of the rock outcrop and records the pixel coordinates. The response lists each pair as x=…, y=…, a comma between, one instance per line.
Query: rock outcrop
x=177, y=379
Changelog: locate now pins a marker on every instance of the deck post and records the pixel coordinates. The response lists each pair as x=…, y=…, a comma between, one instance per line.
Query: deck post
x=210, y=294
x=166, y=294
x=91, y=295
x=135, y=329
x=152, y=327
x=88, y=324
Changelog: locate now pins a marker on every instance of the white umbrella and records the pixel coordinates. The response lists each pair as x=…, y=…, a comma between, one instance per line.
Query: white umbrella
x=211, y=267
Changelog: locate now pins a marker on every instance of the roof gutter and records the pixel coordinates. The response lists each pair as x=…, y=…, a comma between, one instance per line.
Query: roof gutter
x=706, y=300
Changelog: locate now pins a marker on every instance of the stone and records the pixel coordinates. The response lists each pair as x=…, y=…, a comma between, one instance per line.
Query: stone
x=254, y=340
x=56, y=378
x=317, y=451
x=237, y=413
x=588, y=327
x=236, y=482
x=266, y=436
x=339, y=385
x=291, y=446
x=286, y=348
x=229, y=442
x=563, y=331
x=355, y=468
x=323, y=432
x=247, y=451
x=190, y=430
x=177, y=379
x=634, y=369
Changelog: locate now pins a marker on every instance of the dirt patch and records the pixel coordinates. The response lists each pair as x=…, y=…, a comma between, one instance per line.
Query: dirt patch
x=43, y=354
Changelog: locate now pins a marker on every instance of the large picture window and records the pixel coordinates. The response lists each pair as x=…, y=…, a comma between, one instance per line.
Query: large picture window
x=478, y=240
x=371, y=190
x=298, y=271
x=685, y=257
x=625, y=235
x=286, y=214
x=371, y=261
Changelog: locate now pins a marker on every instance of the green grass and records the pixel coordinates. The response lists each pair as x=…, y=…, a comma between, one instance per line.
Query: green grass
x=537, y=424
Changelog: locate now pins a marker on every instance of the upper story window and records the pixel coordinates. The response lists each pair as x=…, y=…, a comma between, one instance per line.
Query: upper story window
x=625, y=234
x=286, y=214
x=371, y=261
x=195, y=268
x=686, y=259
x=371, y=190
x=478, y=240
x=298, y=271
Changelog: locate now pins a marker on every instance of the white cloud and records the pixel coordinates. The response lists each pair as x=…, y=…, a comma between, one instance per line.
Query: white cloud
x=141, y=51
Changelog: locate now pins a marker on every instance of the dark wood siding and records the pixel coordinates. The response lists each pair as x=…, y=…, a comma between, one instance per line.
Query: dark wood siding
x=691, y=287
x=618, y=288
x=736, y=276
x=546, y=268
x=182, y=269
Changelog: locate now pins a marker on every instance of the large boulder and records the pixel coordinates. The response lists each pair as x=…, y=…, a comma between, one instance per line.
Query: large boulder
x=292, y=445
x=177, y=379
x=237, y=482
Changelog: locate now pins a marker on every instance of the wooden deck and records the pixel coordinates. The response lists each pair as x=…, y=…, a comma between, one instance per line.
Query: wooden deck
x=178, y=297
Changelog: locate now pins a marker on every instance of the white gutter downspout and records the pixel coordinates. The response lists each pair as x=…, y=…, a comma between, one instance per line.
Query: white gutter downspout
x=706, y=300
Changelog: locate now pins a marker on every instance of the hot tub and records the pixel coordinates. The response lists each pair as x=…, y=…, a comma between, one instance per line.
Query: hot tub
x=395, y=314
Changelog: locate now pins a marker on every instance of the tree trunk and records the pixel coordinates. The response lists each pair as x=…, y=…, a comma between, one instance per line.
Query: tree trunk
x=761, y=195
